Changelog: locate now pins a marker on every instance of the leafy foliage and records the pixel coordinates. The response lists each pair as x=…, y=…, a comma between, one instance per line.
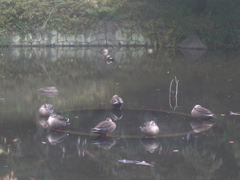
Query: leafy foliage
x=165, y=22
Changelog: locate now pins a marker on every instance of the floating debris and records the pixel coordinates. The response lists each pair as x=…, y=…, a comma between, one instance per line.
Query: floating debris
x=136, y=162
x=175, y=150
x=231, y=142
x=233, y=114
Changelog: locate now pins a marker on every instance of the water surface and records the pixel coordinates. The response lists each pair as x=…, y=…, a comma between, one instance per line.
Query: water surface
x=86, y=81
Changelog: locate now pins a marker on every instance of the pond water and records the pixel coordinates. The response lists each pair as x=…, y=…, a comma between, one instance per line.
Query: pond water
x=163, y=85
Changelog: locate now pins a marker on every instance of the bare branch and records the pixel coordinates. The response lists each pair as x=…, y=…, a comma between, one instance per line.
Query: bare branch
x=47, y=18
x=170, y=89
x=176, y=93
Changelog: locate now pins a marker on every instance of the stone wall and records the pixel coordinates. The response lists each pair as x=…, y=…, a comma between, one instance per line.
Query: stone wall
x=105, y=33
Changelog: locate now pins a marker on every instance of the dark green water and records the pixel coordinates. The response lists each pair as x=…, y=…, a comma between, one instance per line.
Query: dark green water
x=86, y=82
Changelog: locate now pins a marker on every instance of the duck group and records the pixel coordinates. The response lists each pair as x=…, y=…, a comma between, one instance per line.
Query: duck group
x=54, y=121
x=150, y=129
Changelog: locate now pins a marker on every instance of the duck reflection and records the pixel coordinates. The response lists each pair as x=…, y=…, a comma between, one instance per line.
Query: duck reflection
x=201, y=125
x=109, y=59
x=116, y=114
x=42, y=121
x=50, y=91
x=55, y=137
x=104, y=142
x=150, y=144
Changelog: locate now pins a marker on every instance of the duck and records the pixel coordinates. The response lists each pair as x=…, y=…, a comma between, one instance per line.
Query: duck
x=103, y=51
x=200, y=112
x=104, y=128
x=57, y=121
x=150, y=128
x=46, y=110
x=116, y=102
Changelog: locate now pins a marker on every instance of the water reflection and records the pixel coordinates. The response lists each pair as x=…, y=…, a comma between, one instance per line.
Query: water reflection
x=42, y=121
x=86, y=82
x=55, y=137
x=205, y=162
x=104, y=142
x=49, y=91
x=193, y=54
x=201, y=125
x=150, y=144
x=116, y=114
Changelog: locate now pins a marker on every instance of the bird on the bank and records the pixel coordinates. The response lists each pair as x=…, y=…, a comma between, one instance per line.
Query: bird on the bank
x=116, y=102
x=46, y=110
x=150, y=128
x=57, y=121
x=104, y=128
x=200, y=112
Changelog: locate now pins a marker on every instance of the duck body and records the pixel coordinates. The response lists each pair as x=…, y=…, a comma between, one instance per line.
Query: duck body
x=104, y=127
x=116, y=102
x=150, y=128
x=46, y=110
x=200, y=112
x=57, y=121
